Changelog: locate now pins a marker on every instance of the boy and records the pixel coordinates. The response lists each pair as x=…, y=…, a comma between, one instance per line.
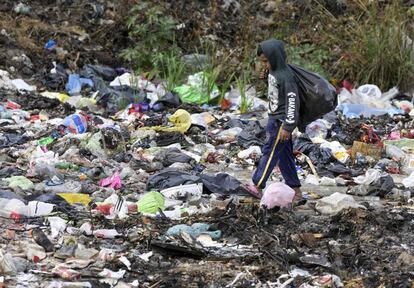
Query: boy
x=283, y=113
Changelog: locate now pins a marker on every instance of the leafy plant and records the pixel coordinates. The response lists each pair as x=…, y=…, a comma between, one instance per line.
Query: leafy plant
x=152, y=31
x=381, y=52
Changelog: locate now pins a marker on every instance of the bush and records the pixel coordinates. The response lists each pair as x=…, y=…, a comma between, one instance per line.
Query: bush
x=310, y=57
x=152, y=33
x=362, y=41
x=380, y=51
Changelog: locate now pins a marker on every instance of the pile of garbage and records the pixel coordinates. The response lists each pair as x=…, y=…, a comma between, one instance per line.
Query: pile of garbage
x=107, y=179
x=117, y=182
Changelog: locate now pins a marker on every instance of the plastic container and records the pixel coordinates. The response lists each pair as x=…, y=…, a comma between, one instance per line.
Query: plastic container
x=76, y=123
x=189, y=192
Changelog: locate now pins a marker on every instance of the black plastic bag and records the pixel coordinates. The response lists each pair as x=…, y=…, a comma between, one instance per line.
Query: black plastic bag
x=168, y=178
x=382, y=186
x=169, y=100
x=222, y=183
x=303, y=144
x=105, y=72
x=317, y=96
x=171, y=156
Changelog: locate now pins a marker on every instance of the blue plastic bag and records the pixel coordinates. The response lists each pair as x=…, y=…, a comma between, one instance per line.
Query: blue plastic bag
x=357, y=110
x=75, y=84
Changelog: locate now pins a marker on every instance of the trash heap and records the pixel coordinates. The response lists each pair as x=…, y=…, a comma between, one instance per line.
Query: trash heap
x=117, y=182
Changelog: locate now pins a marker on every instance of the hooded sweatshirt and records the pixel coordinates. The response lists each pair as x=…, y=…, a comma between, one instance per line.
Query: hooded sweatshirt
x=282, y=91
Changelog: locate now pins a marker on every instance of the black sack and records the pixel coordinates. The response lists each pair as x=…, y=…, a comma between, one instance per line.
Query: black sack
x=317, y=96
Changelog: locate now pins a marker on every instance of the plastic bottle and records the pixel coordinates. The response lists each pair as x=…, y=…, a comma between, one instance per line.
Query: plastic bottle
x=76, y=123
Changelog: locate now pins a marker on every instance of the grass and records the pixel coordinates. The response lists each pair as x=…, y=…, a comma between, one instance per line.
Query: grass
x=245, y=103
x=225, y=87
x=170, y=68
x=371, y=45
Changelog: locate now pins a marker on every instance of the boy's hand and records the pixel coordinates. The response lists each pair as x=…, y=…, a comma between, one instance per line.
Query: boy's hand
x=285, y=135
x=263, y=73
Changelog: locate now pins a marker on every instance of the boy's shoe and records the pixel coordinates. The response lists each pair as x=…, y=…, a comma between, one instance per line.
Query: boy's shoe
x=253, y=190
x=298, y=200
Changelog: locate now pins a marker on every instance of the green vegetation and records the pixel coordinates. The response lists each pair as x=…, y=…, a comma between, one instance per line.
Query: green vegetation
x=169, y=67
x=362, y=41
x=310, y=57
x=152, y=32
x=381, y=52
x=245, y=102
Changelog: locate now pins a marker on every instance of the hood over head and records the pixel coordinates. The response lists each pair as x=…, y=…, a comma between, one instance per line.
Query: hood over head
x=274, y=50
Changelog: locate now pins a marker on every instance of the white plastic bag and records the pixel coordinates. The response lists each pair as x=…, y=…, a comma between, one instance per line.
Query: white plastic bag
x=370, y=176
x=277, y=194
x=17, y=207
x=244, y=154
x=409, y=181
x=57, y=225
x=312, y=180
x=190, y=192
x=338, y=150
x=106, y=233
x=335, y=203
x=7, y=266
x=318, y=129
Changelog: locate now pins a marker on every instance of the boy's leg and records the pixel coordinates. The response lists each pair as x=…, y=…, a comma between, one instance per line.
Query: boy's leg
x=287, y=167
x=271, y=151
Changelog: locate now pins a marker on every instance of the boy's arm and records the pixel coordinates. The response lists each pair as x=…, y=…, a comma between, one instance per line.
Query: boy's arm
x=292, y=106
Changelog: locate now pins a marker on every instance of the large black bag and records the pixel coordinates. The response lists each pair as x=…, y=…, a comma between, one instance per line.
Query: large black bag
x=317, y=96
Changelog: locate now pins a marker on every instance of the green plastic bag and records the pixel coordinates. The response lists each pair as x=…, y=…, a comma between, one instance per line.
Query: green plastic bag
x=19, y=181
x=196, y=91
x=46, y=141
x=151, y=203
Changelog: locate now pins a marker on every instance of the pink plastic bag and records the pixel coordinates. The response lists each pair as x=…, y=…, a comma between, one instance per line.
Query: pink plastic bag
x=277, y=194
x=113, y=181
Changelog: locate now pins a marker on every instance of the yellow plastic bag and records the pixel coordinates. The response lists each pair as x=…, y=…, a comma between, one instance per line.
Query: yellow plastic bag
x=72, y=198
x=55, y=95
x=181, y=120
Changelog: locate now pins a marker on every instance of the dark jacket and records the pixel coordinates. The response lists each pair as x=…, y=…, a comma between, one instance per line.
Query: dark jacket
x=283, y=91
